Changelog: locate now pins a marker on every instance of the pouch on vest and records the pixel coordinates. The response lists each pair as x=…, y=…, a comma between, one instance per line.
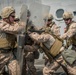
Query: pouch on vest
x=69, y=56
x=55, y=49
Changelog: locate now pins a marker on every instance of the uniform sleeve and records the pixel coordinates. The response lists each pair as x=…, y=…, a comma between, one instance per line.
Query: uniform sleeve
x=70, y=32
x=30, y=48
x=39, y=38
x=56, y=30
x=13, y=29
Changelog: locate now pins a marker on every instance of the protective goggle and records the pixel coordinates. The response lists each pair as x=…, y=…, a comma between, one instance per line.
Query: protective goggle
x=66, y=19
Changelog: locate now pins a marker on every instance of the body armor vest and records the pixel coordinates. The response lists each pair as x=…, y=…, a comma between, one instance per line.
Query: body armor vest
x=70, y=54
x=7, y=40
x=55, y=49
x=71, y=40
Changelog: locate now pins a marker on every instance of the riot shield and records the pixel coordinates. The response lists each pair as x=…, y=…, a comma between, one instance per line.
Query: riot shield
x=28, y=2
x=37, y=13
x=23, y=13
x=21, y=41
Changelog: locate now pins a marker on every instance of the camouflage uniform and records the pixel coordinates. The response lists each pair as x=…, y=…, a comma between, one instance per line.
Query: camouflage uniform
x=70, y=37
x=48, y=40
x=7, y=41
x=30, y=60
x=54, y=30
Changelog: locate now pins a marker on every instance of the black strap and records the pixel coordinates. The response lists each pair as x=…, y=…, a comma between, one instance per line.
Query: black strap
x=3, y=50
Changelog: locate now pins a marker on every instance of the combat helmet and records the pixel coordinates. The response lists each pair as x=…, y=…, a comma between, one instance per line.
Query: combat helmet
x=50, y=16
x=67, y=15
x=7, y=11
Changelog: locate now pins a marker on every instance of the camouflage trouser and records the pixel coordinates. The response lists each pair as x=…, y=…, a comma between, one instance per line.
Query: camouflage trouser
x=30, y=64
x=31, y=68
x=71, y=69
x=6, y=59
x=52, y=67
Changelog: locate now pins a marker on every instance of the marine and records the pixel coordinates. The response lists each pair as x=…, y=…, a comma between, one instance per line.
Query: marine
x=48, y=41
x=8, y=31
x=53, y=30
x=69, y=54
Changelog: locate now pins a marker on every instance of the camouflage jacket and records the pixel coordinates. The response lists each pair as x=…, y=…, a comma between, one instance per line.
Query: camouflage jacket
x=7, y=33
x=11, y=28
x=45, y=38
x=70, y=33
x=53, y=29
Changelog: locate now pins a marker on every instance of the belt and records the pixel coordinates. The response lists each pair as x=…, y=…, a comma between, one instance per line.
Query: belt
x=2, y=50
x=73, y=45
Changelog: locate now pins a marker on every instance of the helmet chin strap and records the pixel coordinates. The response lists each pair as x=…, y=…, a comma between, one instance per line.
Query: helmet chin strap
x=8, y=21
